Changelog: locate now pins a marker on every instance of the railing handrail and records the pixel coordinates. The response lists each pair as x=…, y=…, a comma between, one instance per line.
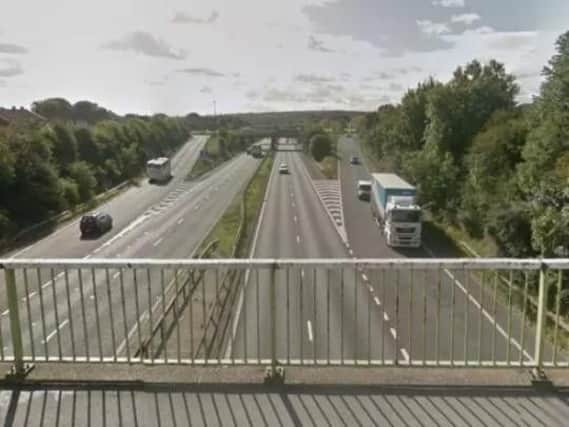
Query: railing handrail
x=422, y=263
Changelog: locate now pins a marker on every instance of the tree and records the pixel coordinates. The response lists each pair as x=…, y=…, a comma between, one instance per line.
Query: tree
x=53, y=109
x=320, y=146
x=82, y=174
x=435, y=175
x=64, y=144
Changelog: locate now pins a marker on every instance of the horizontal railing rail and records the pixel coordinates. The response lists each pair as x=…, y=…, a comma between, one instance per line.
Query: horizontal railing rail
x=313, y=312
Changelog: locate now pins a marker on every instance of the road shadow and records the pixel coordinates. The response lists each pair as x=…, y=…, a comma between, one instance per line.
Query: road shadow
x=142, y=404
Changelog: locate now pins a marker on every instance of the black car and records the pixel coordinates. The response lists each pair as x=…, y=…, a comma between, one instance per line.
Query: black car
x=355, y=160
x=95, y=224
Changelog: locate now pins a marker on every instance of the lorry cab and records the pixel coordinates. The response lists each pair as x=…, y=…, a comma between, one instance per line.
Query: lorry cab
x=396, y=210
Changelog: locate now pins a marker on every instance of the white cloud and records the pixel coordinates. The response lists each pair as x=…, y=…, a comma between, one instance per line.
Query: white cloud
x=465, y=18
x=10, y=68
x=146, y=44
x=433, y=28
x=449, y=3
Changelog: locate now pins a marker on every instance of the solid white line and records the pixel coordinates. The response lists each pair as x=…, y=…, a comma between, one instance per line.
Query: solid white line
x=478, y=306
x=181, y=220
x=49, y=282
x=405, y=354
x=309, y=326
x=386, y=317
x=377, y=301
x=50, y=336
x=157, y=242
x=393, y=332
x=298, y=239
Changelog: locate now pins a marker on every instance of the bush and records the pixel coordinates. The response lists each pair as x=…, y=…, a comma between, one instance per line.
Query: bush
x=320, y=146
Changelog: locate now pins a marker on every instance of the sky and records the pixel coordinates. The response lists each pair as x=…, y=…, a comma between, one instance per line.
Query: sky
x=178, y=56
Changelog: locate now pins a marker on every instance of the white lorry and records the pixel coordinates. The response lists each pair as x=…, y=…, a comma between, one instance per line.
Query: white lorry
x=396, y=211
x=159, y=170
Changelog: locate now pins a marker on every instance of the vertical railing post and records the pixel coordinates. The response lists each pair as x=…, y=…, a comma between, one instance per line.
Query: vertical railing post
x=274, y=373
x=540, y=322
x=273, y=305
x=15, y=326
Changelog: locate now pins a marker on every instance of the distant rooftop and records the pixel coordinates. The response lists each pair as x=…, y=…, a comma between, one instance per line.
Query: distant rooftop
x=14, y=114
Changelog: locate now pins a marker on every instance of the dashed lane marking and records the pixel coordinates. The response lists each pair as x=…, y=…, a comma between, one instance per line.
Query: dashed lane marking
x=377, y=302
x=309, y=327
x=393, y=332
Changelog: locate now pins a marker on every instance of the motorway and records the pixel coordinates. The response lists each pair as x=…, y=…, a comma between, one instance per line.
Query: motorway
x=321, y=314
x=449, y=306
x=93, y=313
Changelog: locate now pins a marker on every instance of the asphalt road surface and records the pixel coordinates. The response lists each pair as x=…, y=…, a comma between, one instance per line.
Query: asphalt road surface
x=450, y=307
x=321, y=314
x=99, y=310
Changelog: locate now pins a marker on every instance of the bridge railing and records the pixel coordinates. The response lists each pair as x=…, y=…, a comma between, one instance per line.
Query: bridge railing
x=392, y=312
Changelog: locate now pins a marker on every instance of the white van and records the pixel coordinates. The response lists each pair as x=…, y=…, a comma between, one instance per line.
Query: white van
x=364, y=190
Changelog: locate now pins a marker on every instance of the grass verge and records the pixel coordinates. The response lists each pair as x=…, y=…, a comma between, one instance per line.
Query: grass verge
x=329, y=167
x=214, y=159
x=234, y=230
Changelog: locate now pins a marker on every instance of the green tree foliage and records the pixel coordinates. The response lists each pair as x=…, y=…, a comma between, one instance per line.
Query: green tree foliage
x=59, y=109
x=320, y=146
x=497, y=169
x=83, y=176
x=49, y=167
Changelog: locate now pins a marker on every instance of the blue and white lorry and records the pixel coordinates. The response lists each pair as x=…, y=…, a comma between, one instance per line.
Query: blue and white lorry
x=396, y=211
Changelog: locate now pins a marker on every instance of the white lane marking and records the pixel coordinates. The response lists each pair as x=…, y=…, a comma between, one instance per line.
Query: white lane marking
x=117, y=274
x=386, y=317
x=292, y=195
x=364, y=276
x=32, y=294
x=405, y=355
x=370, y=288
x=293, y=204
x=302, y=273
x=123, y=232
x=298, y=239
x=50, y=336
x=309, y=326
x=122, y=345
x=157, y=242
x=181, y=220
x=5, y=312
x=351, y=252
x=197, y=207
x=50, y=281
x=393, y=332
x=478, y=306
x=377, y=301
x=295, y=218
